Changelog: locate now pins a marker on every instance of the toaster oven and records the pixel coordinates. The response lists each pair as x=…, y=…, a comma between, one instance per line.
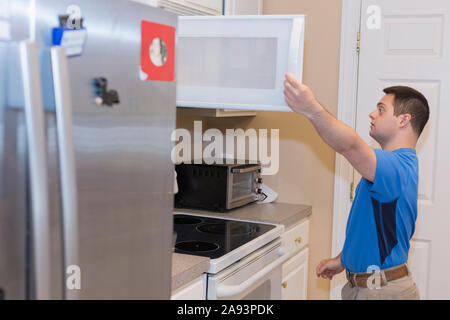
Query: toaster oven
x=217, y=187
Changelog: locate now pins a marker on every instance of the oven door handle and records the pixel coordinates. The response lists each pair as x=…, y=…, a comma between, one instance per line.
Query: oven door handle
x=226, y=291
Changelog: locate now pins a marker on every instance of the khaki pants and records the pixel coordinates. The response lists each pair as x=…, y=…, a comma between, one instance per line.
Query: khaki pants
x=400, y=289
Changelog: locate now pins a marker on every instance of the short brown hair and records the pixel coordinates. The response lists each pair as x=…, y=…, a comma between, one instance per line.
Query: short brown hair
x=411, y=101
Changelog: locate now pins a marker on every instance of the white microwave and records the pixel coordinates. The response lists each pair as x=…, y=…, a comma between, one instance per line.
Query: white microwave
x=237, y=62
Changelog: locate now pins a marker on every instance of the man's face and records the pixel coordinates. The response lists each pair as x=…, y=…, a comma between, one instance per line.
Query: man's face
x=384, y=124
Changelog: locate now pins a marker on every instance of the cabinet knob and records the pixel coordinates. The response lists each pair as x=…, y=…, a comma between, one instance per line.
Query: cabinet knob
x=298, y=240
x=284, y=284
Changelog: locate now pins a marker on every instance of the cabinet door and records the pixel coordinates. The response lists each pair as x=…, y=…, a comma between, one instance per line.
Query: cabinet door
x=295, y=277
x=237, y=62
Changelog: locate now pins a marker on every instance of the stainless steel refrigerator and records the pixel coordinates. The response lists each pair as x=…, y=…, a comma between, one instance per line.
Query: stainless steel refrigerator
x=83, y=183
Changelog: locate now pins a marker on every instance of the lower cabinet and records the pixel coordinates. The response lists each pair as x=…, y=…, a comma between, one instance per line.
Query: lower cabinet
x=295, y=277
x=294, y=282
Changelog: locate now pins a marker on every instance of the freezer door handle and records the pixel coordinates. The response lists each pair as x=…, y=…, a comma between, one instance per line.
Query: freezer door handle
x=34, y=119
x=227, y=291
x=63, y=107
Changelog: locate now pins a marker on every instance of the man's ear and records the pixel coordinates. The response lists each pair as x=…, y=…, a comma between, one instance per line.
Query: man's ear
x=405, y=119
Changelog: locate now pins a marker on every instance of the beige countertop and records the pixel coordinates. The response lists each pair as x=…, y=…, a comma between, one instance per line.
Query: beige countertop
x=186, y=268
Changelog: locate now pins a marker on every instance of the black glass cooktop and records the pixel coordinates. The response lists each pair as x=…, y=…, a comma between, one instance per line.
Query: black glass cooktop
x=213, y=237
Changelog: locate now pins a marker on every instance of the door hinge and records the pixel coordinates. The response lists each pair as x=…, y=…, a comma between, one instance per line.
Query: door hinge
x=352, y=191
x=358, y=42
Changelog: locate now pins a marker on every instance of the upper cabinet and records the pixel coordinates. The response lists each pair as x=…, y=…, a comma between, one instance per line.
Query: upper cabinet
x=237, y=62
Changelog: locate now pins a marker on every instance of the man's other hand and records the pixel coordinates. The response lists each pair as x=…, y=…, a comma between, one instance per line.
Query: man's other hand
x=328, y=268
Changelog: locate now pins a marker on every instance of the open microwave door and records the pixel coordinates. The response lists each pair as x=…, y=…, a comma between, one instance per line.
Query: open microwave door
x=237, y=62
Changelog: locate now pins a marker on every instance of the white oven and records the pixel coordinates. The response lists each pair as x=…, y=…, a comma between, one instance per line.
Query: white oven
x=246, y=257
x=254, y=277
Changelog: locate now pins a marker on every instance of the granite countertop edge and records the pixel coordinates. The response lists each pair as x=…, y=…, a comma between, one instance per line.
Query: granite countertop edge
x=186, y=268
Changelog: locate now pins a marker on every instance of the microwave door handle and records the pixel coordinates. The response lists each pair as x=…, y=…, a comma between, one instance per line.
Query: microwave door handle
x=34, y=120
x=227, y=291
x=296, y=47
x=63, y=107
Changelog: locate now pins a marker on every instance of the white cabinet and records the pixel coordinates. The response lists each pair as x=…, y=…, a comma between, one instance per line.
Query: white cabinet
x=296, y=237
x=294, y=281
x=295, y=277
x=237, y=62
x=232, y=7
x=194, y=290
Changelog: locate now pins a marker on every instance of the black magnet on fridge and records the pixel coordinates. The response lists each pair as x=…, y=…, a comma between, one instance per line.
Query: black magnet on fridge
x=103, y=96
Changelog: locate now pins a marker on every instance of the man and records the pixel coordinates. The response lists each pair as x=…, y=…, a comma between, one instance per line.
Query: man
x=383, y=214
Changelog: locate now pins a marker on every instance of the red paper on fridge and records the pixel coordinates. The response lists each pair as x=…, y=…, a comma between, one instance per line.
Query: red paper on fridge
x=157, y=51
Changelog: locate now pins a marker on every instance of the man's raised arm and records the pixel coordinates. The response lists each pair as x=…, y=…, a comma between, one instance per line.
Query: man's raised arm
x=335, y=133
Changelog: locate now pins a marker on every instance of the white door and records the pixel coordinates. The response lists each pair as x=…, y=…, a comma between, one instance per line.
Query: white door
x=412, y=47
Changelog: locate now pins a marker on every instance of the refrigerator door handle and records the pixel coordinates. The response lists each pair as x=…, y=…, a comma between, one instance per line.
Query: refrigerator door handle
x=34, y=119
x=63, y=106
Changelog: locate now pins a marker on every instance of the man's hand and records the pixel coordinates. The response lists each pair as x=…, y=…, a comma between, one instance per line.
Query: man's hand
x=328, y=268
x=299, y=97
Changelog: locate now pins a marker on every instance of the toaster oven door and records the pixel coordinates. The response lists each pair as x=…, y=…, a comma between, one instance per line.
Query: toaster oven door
x=243, y=185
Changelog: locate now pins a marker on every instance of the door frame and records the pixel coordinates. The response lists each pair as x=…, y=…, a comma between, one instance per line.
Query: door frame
x=347, y=98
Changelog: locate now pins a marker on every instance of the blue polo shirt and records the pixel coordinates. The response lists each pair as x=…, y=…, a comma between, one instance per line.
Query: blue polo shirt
x=383, y=214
